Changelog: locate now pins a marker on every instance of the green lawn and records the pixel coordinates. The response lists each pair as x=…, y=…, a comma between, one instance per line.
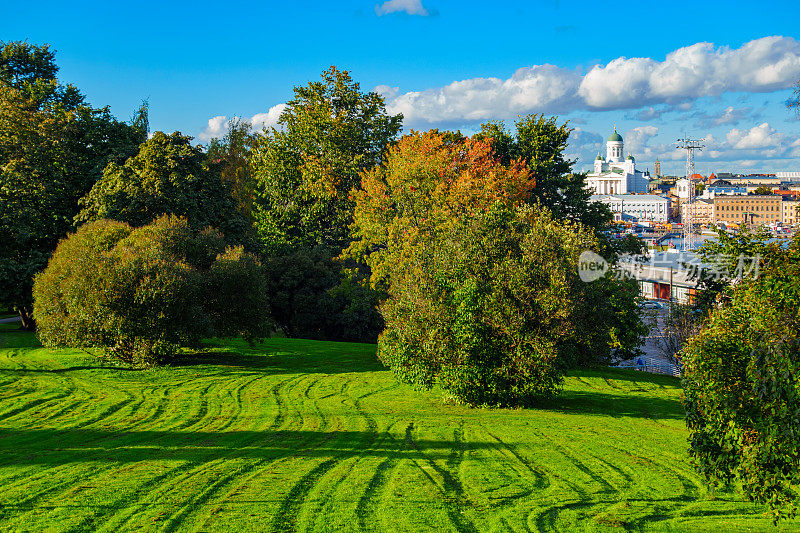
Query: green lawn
x=301, y=435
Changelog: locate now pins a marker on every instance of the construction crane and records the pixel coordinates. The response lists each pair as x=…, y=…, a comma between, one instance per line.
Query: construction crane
x=690, y=145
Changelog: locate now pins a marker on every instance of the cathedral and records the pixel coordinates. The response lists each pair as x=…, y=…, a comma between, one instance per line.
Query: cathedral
x=615, y=175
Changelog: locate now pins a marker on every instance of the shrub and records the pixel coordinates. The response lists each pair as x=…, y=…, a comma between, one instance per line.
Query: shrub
x=142, y=294
x=742, y=386
x=492, y=308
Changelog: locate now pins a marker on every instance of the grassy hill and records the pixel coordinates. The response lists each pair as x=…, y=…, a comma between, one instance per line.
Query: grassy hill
x=316, y=436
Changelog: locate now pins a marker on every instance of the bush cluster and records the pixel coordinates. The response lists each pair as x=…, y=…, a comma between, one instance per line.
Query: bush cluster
x=742, y=386
x=493, y=310
x=142, y=294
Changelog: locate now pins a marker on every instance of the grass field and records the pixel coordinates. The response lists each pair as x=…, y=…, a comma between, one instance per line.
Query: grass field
x=314, y=436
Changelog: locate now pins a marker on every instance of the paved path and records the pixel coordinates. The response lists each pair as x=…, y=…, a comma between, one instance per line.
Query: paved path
x=10, y=320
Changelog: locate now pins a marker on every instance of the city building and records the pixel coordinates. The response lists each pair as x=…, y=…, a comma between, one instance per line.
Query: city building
x=636, y=207
x=658, y=169
x=748, y=209
x=714, y=190
x=682, y=189
x=702, y=211
x=667, y=275
x=790, y=215
x=615, y=175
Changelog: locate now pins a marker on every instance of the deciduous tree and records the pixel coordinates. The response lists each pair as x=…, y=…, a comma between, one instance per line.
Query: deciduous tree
x=142, y=294
x=742, y=386
x=167, y=176
x=305, y=168
x=53, y=148
x=539, y=142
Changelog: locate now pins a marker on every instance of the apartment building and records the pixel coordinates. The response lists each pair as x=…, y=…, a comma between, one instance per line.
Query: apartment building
x=790, y=215
x=702, y=211
x=749, y=209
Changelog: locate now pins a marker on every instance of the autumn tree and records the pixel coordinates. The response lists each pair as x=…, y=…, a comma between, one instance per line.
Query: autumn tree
x=428, y=181
x=484, y=295
x=53, y=148
x=233, y=154
x=539, y=142
x=305, y=168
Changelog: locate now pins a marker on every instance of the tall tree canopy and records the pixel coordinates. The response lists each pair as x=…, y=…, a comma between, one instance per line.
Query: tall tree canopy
x=539, y=142
x=429, y=181
x=167, y=176
x=484, y=294
x=233, y=153
x=327, y=135
x=53, y=148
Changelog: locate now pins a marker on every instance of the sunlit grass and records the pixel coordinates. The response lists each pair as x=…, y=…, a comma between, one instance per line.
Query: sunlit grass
x=303, y=435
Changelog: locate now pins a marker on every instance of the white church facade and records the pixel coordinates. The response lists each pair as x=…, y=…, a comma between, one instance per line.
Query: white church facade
x=615, y=175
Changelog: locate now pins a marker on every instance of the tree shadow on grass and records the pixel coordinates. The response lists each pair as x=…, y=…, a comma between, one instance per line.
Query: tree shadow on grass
x=286, y=356
x=616, y=405
x=628, y=376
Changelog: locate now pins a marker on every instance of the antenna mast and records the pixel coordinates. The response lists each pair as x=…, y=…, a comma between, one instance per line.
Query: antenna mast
x=690, y=145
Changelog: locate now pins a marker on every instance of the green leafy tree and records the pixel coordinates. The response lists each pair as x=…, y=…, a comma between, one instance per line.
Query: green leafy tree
x=233, y=153
x=539, y=142
x=53, y=148
x=484, y=294
x=492, y=310
x=142, y=294
x=763, y=190
x=304, y=170
x=742, y=386
x=167, y=175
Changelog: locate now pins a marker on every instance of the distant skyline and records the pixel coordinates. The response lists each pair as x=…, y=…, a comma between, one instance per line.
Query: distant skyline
x=720, y=71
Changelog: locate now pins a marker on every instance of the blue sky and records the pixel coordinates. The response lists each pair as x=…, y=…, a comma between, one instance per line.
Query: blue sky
x=720, y=71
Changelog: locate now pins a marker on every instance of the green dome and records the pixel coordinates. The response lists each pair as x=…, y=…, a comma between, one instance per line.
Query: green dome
x=599, y=158
x=630, y=157
x=615, y=136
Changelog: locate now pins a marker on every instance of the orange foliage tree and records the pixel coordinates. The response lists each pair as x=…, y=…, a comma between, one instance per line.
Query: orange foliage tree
x=429, y=182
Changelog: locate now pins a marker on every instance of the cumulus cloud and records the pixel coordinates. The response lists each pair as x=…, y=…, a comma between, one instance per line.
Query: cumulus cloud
x=636, y=139
x=269, y=119
x=218, y=126
x=542, y=87
x=692, y=72
x=762, y=136
x=728, y=116
x=411, y=7
x=583, y=144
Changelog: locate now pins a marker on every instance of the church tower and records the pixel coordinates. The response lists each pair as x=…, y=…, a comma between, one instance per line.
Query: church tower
x=658, y=168
x=614, y=147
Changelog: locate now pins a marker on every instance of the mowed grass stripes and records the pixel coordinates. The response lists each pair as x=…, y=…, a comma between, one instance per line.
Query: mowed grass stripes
x=296, y=435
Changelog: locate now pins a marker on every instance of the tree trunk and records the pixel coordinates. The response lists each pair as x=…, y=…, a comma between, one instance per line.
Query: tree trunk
x=26, y=314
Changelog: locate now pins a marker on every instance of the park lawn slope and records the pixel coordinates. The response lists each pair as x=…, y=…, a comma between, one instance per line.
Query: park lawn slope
x=317, y=436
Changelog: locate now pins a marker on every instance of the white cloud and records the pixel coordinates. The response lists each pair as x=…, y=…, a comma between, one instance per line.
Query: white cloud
x=636, y=139
x=218, y=126
x=692, y=72
x=762, y=136
x=542, y=87
x=412, y=7
x=268, y=119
